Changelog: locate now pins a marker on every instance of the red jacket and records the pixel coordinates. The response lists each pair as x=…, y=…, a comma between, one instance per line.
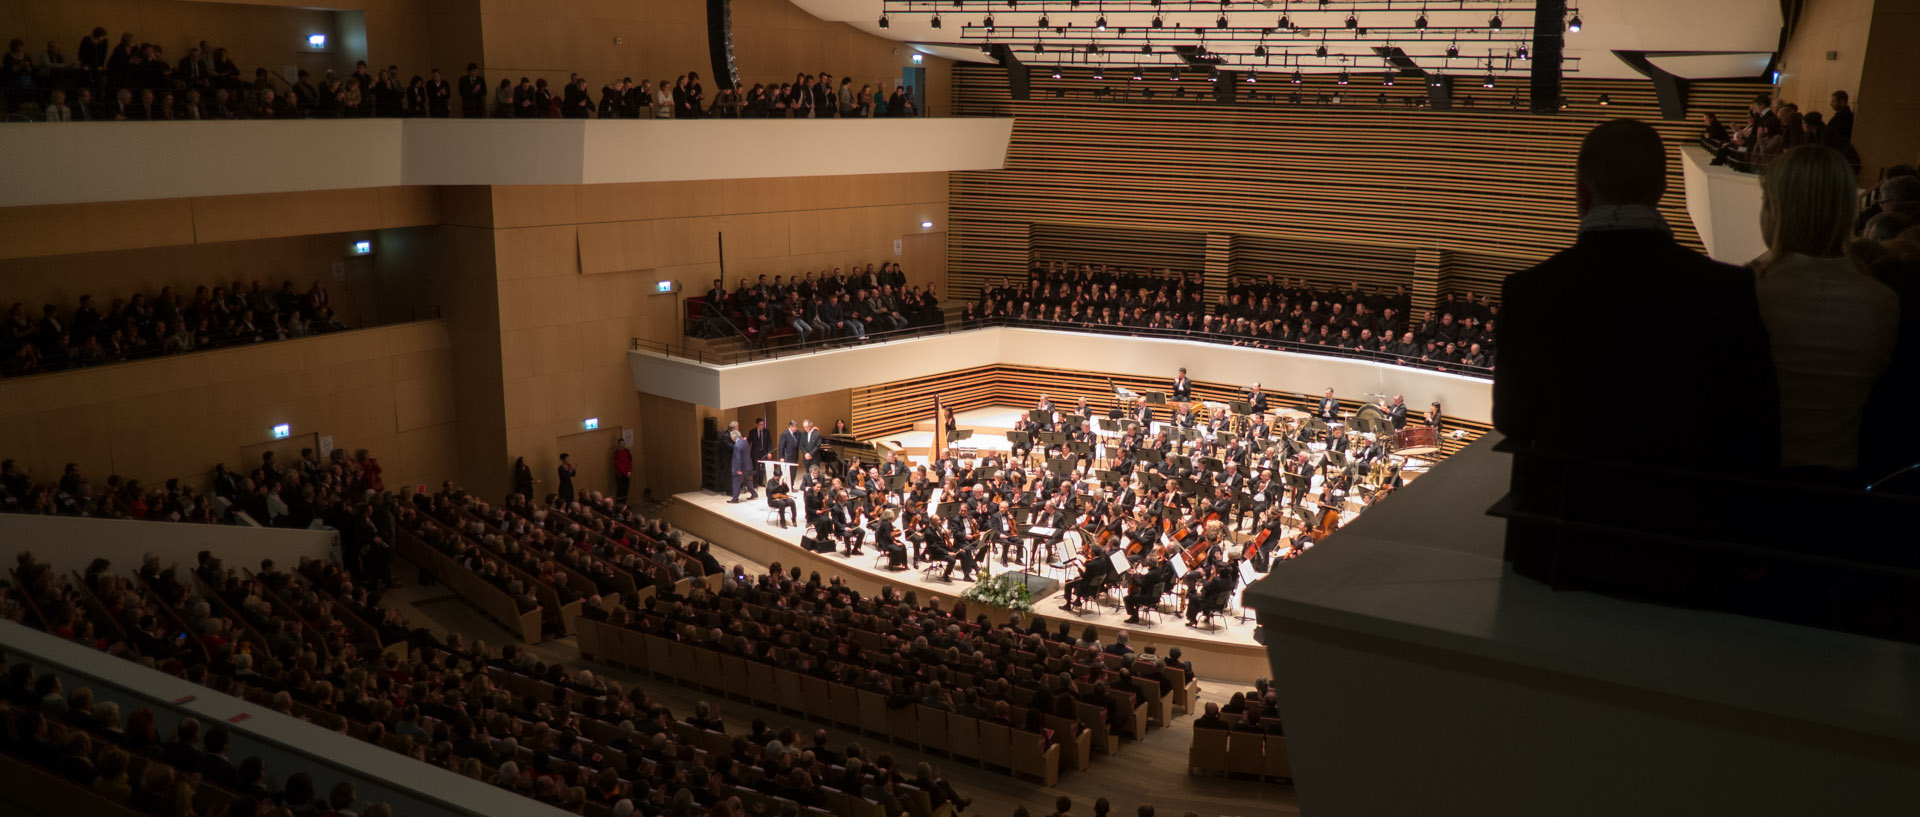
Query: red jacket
x=623, y=462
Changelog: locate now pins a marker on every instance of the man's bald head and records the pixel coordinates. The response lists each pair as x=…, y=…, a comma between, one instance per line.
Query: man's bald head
x=1621, y=162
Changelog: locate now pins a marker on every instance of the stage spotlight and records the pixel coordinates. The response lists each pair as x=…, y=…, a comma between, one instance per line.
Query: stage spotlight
x=1159, y=23
x=1605, y=101
x=1056, y=72
x=1138, y=76
x=1523, y=53
x=1343, y=76
x=1296, y=77
x=1494, y=22
x=935, y=22
x=1420, y=21
x=1320, y=51
x=1387, y=78
x=1453, y=50
x=1101, y=23
x=1353, y=21
x=1260, y=51
x=1043, y=20
x=1173, y=75
x=988, y=22
x=1573, y=25
x=883, y=21
x=1253, y=77
x=1099, y=73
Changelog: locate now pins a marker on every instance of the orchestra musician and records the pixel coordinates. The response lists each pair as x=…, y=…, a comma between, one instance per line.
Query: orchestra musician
x=884, y=542
x=1182, y=387
x=1329, y=408
x=846, y=524
x=1209, y=594
x=1257, y=400
x=1045, y=405
x=1433, y=418
x=1398, y=413
x=1092, y=581
x=939, y=548
x=1145, y=584
x=780, y=499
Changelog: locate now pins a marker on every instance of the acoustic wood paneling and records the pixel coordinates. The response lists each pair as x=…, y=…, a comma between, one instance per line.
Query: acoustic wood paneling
x=1323, y=264
x=1126, y=248
x=1360, y=185
x=892, y=408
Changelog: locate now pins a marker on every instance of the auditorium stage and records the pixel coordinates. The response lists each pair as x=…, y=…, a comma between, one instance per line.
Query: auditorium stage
x=1227, y=652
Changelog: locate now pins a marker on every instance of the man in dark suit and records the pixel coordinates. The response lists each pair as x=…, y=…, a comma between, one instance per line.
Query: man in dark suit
x=439, y=94
x=473, y=93
x=809, y=444
x=1257, y=400
x=760, y=443
x=789, y=446
x=1182, y=387
x=1574, y=332
x=742, y=465
x=1329, y=409
x=1398, y=412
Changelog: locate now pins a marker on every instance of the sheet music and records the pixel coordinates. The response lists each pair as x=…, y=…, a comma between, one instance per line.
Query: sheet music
x=933, y=499
x=1179, y=562
x=1247, y=574
x=1041, y=530
x=1119, y=560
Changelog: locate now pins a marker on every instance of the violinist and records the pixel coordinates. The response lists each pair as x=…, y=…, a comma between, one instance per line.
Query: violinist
x=1093, y=580
x=845, y=524
x=883, y=541
x=1208, y=595
x=1146, y=582
x=1000, y=530
x=780, y=499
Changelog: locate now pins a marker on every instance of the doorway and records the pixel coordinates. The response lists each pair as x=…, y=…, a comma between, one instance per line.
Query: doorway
x=286, y=452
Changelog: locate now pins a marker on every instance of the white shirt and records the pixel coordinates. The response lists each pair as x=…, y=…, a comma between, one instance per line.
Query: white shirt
x=1832, y=329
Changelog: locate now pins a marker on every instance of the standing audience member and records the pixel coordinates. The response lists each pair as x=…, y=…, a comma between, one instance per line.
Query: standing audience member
x=1831, y=326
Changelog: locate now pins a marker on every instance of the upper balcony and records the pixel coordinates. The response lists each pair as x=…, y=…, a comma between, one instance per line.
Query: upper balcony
x=124, y=161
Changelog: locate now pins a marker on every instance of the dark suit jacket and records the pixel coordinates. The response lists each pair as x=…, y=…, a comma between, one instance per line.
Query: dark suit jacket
x=810, y=441
x=760, y=442
x=1624, y=319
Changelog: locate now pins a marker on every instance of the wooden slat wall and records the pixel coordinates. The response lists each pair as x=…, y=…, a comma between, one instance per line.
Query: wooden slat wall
x=1325, y=265
x=891, y=408
x=1128, y=249
x=1489, y=180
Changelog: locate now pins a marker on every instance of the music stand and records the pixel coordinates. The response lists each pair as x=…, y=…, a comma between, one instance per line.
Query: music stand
x=1179, y=461
x=1110, y=426
x=1155, y=480
x=1107, y=477
x=1226, y=438
x=985, y=472
x=1083, y=449
x=1152, y=455
x=1155, y=398
x=1018, y=438
x=1239, y=408
x=946, y=510
x=1247, y=576
x=1038, y=417
x=897, y=482
x=1211, y=464
x=960, y=434
x=1061, y=465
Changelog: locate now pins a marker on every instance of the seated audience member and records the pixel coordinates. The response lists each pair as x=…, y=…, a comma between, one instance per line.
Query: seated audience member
x=1573, y=334
x=1831, y=326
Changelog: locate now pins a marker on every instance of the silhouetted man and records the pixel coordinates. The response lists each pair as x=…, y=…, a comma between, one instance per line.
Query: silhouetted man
x=1628, y=314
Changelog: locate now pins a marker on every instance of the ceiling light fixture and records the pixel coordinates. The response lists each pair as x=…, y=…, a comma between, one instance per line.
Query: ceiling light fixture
x=1320, y=51
x=1138, y=75
x=1343, y=76
x=1253, y=77
x=1604, y=100
x=1488, y=82
x=1353, y=21
x=883, y=21
x=1573, y=25
x=1523, y=52
x=1099, y=73
x=1453, y=50
x=1494, y=21
x=1043, y=19
x=1221, y=22
x=935, y=22
x=1420, y=21
x=1056, y=72
x=988, y=22
x=1101, y=23
x=1158, y=23
x=1387, y=78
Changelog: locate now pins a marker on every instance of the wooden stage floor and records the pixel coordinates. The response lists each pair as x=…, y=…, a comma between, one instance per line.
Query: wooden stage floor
x=1227, y=652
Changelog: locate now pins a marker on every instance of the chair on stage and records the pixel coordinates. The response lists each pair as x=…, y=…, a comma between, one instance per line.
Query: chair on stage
x=1213, y=604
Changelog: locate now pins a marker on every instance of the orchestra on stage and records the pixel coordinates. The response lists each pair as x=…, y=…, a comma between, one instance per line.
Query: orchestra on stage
x=1160, y=494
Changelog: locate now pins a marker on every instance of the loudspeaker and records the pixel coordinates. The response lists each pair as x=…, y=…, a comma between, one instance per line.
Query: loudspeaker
x=1549, y=38
x=720, y=44
x=1439, y=92
x=1227, y=90
x=709, y=428
x=716, y=466
x=1019, y=77
x=816, y=545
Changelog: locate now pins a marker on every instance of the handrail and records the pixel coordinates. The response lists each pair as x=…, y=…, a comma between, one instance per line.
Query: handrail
x=813, y=347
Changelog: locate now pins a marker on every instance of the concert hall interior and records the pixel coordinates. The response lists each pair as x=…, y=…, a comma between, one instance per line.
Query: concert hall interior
x=928, y=408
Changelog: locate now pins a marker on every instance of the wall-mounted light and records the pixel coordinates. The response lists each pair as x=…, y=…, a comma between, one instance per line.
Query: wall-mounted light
x=362, y=248
x=317, y=42
x=919, y=58
x=590, y=423
x=926, y=225
x=283, y=431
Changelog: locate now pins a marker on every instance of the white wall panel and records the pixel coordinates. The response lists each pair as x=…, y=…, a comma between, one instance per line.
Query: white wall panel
x=779, y=379
x=132, y=161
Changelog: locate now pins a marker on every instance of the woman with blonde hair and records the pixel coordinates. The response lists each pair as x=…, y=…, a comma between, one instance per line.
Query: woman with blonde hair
x=1831, y=326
